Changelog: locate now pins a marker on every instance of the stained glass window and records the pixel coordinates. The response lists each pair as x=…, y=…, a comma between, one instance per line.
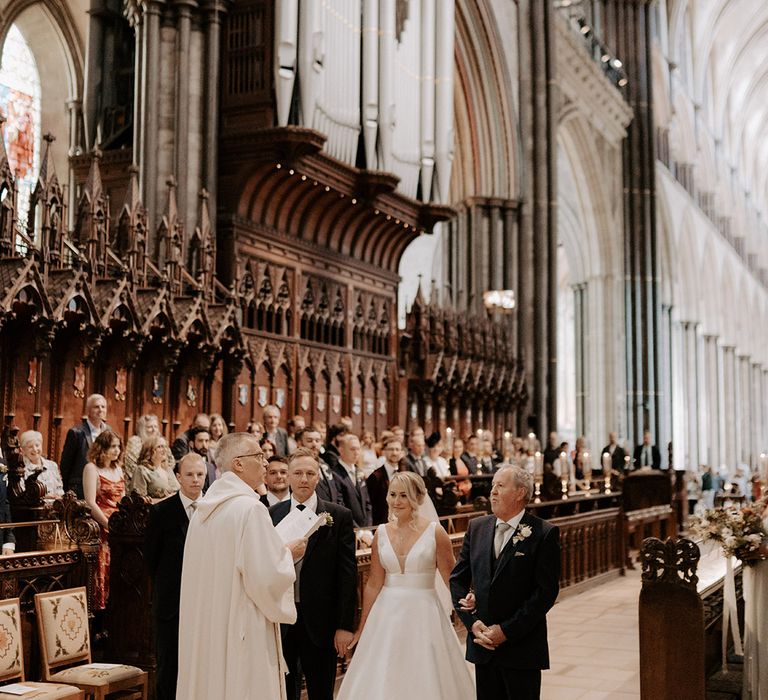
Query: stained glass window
x=20, y=105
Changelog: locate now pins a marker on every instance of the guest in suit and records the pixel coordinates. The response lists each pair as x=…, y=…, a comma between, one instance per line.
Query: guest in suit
x=273, y=432
x=276, y=481
x=616, y=452
x=512, y=560
x=325, y=587
x=330, y=453
x=378, y=481
x=199, y=443
x=552, y=450
x=74, y=455
x=470, y=456
x=181, y=445
x=7, y=538
x=164, y=553
x=646, y=454
x=415, y=456
x=327, y=488
x=350, y=478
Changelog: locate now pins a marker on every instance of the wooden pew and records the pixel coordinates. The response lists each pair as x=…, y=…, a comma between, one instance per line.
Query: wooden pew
x=648, y=510
x=680, y=616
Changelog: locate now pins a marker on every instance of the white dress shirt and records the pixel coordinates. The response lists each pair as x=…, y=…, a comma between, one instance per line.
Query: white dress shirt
x=513, y=522
x=272, y=499
x=189, y=509
x=310, y=503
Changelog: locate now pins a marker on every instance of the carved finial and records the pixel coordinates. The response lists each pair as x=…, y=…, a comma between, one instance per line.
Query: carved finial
x=670, y=562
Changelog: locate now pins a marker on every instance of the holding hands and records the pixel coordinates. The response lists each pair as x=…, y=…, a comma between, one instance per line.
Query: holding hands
x=486, y=637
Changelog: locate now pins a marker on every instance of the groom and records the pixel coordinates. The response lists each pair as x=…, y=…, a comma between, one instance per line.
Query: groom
x=512, y=559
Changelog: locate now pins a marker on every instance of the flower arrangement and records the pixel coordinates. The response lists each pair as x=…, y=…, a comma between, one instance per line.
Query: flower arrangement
x=738, y=530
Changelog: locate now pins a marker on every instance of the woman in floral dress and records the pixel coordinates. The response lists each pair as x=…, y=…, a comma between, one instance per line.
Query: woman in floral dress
x=103, y=486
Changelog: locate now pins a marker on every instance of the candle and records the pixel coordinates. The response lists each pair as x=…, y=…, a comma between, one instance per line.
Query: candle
x=538, y=464
x=571, y=472
x=764, y=467
x=586, y=464
x=606, y=463
x=626, y=463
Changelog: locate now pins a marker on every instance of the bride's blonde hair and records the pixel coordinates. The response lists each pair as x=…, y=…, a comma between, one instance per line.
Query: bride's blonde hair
x=415, y=490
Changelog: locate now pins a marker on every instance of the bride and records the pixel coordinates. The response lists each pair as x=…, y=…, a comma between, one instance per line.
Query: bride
x=756, y=624
x=407, y=645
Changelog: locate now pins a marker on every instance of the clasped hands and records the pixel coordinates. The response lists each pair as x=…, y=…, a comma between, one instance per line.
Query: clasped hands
x=485, y=636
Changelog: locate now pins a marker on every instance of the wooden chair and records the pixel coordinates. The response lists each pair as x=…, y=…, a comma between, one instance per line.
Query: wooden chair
x=65, y=648
x=12, y=660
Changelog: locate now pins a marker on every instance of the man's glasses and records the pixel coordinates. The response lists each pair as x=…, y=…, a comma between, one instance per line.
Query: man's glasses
x=262, y=457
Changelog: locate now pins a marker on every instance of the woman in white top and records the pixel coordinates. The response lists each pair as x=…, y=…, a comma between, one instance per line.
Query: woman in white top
x=31, y=444
x=434, y=458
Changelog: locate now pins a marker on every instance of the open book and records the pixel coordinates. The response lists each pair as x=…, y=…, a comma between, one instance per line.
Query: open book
x=299, y=523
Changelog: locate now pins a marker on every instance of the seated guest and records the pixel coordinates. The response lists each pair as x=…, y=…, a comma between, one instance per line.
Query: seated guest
x=293, y=426
x=147, y=426
x=7, y=538
x=218, y=430
x=415, y=456
x=267, y=448
x=434, y=458
x=104, y=486
x=151, y=479
x=276, y=481
x=181, y=444
x=369, y=457
x=470, y=456
x=31, y=444
x=646, y=454
x=458, y=467
x=199, y=442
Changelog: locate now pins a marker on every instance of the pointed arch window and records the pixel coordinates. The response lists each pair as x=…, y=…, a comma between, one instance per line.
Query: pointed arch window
x=20, y=105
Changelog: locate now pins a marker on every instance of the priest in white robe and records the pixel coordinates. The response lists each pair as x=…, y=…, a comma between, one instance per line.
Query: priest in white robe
x=236, y=586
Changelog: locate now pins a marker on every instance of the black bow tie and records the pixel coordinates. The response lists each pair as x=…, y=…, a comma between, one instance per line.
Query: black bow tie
x=301, y=506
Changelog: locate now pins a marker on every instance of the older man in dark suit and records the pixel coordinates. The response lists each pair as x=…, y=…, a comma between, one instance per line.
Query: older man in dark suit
x=325, y=587
x=351, y=480
x=512, y=560
x=80, y=437
x=164, y=553
x=647, y=454
x=273, y=432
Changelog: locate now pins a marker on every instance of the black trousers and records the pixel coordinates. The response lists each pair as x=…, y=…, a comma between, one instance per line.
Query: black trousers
x=167, y=649
x=498, y=683
x=318, y=664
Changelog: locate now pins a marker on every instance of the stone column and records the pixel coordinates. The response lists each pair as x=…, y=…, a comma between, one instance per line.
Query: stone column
x=758, y=418
x=690, y=361
x=537, y=312
x=93, y=70
x=181, y=161
x=74, y=107
x=745, y=418
x=730, y=454
x=712, y=452
x=628, y=33
x=150, y=104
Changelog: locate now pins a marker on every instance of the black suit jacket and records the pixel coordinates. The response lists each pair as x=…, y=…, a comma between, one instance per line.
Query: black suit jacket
x=378, y=484
x=638, y=456
x=617, y=458
x=74, y=456
x=328, y=580
x=515, y=591
x=6, y=536
x=164, y=553
x=355, y=496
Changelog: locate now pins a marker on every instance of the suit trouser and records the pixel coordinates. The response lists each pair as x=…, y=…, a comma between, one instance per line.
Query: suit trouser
x=167, y=649
x=495, y=682
x=318, y=664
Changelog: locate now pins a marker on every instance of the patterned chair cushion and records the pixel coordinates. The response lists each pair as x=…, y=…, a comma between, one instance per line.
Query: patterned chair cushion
x=65, y=621
x=94, y=674
x=45, y=691
x=10, y=639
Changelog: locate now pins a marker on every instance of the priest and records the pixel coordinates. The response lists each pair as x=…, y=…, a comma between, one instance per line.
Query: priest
x=236, y=586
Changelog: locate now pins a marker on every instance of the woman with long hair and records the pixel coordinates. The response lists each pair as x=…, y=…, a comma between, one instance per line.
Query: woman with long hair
x=151, y=478
x=103, y=486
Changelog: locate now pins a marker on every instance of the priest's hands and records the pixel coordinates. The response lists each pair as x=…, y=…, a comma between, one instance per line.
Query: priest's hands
x=488, y=637
x=297, y=548
x=343, y=641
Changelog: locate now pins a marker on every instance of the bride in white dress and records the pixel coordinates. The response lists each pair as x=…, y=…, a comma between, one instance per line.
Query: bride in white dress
x=756, y=624
x=407, y=646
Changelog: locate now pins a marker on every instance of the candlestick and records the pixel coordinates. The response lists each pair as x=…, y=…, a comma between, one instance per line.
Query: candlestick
x=538, y=464
x=537, y=492
x=586, y=467
x=607, y=468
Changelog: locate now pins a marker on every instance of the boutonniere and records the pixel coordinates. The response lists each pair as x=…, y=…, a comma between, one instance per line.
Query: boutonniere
x=327, y=519
x=3, y=468
x=523, y=532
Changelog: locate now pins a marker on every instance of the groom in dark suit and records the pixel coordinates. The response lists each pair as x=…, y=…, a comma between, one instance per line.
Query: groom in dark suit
x=164, y=542
x=512, y=559
x=326, y=586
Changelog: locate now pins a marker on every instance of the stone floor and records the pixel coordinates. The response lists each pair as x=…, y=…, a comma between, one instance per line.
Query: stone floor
x=593, y=643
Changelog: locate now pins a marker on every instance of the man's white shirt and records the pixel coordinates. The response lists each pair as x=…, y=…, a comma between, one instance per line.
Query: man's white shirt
x=310, y=503
x=513, y=523
x=272, y=499
x=189, y=509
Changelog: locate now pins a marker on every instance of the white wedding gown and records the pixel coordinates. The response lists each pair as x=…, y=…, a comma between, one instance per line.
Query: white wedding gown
x=755, y=580
x=408, y=648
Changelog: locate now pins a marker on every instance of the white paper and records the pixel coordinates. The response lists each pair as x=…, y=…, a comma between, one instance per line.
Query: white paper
x=17, y=689
x=298, y=524
x=104, y=667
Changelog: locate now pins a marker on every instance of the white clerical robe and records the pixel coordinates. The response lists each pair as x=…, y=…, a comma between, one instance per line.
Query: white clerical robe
x=236, y=587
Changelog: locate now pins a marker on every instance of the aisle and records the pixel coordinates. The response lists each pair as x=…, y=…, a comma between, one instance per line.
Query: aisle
x=593, y=644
